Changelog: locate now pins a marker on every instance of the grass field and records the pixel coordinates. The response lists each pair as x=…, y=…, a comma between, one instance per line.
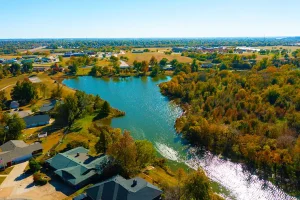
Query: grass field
x=292, y=48
x=6, y=171
x=158, y=55
x=2, y=178
x=159, y=177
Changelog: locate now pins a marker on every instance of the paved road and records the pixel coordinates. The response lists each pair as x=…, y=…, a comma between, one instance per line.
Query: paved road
x=14, y=175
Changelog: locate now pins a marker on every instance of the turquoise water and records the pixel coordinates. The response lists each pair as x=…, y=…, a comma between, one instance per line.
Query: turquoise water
x=151, y=116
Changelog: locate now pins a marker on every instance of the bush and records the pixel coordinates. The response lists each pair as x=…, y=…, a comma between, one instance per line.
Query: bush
x=34, y=166
x=40, y=178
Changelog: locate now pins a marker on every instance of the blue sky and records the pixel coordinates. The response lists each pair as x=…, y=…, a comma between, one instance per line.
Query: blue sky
x=148, y=18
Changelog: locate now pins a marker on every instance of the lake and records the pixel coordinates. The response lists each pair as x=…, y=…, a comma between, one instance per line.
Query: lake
x=151, y=116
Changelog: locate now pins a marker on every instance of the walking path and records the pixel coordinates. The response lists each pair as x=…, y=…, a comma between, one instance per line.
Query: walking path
x=6, y=87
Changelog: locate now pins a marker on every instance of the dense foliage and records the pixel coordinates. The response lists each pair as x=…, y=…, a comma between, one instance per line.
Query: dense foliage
x=253, y=116
x=131, y=155
x=11, y=127
x=24, y=92
x=12, y=45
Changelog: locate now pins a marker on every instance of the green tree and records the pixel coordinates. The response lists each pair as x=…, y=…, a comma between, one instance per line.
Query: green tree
x=145, y=153
x=15, y=67
x=11, y=127
x=3, y=100
x=27, y=67
x=24, y=92
x=57, y=92
x=155, y=70
x=105, y=110
x=125, y=153
x=197, y=186
x=34, y=165
x=163, y=62
x=195, y=66
x=102, y=145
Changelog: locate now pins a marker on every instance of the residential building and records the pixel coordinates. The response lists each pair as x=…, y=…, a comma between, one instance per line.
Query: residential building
x=118, y=188
x=17, y=151
x=207, y=65
x=36, y=120
x=48, y=106
x=76, y=167
x=14, y=105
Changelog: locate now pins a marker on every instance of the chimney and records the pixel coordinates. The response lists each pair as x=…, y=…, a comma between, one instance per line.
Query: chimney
x=77, y=154
x=134, y=183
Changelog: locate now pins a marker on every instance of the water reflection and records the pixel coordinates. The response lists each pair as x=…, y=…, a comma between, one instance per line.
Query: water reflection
x=151, y=116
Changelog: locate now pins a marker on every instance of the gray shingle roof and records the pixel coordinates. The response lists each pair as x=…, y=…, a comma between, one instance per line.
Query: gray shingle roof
x=36, y=119
x=12, y=144
x=118, y=188
x=76, y=166
x=15, y=149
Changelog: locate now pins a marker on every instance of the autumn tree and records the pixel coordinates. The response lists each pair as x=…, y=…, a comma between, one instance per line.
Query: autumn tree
x=125, y=153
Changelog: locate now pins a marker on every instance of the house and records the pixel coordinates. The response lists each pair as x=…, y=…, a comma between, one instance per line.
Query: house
x=122, y=189
x=36, y=120
x=168, y=67
x=76, y=167
x=207, y=65
x=40, y=69
x=48, y=106
x=179, y=49
x=11, y=61
x=17, y=151
x=14, y=105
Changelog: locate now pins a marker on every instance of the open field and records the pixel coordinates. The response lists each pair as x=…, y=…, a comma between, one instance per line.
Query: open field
x=158, y=55
x=158, y=176
x=292, y=48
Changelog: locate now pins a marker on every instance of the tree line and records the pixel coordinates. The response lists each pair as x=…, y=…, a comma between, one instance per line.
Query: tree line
x=251, y=116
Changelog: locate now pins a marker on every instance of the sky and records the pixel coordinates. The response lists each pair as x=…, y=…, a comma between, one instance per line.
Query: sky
x=148, y=18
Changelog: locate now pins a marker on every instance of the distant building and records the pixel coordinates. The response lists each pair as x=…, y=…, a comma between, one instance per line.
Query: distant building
x=17, y=151
x=14, y=105
x=76, y=167
x=40, y=69
x=207, y=65
x=168, y=67
x=11, y=61
x=179, y=49
x=122, y=189
x=36, y=120
x=48, y=106
x=137, y=51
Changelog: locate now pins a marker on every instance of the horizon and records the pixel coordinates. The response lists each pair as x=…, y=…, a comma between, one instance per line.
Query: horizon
x=104, y=38
x=132, y=19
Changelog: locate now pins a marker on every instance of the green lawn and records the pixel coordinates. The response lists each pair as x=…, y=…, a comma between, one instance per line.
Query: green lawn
x=2, y=179
x=6, y=171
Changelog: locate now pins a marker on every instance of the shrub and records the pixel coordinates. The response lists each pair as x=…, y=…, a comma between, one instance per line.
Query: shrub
x=40, y=178
x=34, y=166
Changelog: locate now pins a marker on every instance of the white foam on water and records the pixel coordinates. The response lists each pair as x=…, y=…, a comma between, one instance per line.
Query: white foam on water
x=167, y=152
x=241, y=183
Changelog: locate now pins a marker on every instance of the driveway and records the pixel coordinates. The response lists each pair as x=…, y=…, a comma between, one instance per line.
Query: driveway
x=18, y=185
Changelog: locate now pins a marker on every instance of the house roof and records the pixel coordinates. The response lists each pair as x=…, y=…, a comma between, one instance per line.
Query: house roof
x=13, y=144
x=17, y=148
x=48, y=106
x=36, y=119
x=76, y=166
x=118, y=188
